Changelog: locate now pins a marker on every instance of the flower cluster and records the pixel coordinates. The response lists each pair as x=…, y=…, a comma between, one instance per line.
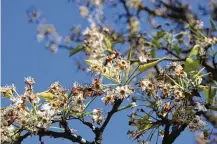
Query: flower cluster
x=83, y=11
x=8, y=90
x=110, y=66
x=196, y=124
x=170, y=95
x=46, y=32
x=133, y=25
x=94, y=43
x=26, y=113
x=134, y=3
x=120, y=92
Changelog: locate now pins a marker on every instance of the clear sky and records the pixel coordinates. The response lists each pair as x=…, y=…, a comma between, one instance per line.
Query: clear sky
x=23, y=56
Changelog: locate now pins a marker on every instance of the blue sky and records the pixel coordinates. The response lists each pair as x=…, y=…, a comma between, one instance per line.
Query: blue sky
x=23, y=56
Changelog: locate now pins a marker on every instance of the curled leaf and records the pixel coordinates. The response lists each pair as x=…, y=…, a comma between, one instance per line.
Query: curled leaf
x=47, y=95
x=133, y=104
x=76, y=50
x=194, y=51
x=191, y=65
x=146, y=66
x=213, y=25
x=108, y=44
x=210, y=93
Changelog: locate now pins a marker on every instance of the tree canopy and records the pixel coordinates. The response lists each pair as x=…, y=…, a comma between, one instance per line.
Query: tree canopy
x=155, y=59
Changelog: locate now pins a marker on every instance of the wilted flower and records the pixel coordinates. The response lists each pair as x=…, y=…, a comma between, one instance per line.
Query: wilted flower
x=83, y=11
x=200, y=107
x=178, y=94
x=97, y=2
x=133, y=25
x=97, y=116
x=109, y=98
x=29, y=80
x=199, y=24
x=179, y=71
x=94, y=43
x=134, y=3
x=123, y=92
x=55, y=86
x=44, y=122
x=48, y=32
x=146, y=85
x=142, y=57
x=8, y=90
x=123, y=64
x=196, y=124
x=166, y=109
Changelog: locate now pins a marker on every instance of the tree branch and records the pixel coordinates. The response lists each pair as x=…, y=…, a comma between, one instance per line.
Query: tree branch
x=72, y=137
x=175, y=133
x=99, y=132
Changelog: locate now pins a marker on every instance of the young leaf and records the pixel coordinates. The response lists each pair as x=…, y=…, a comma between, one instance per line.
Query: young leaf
x=212, y=24
x=210, y=93
x=179, y=35
x=153, y=53
x=191, y=65
x=91, y=62
x=130, y=52
x=177, y=49
x=146, y=66
x=128, y=106
x=47, y=95
x=194, y=50
x=108, y=44
x=161, y=34
x=146, y=120
x=76, y=50
x=198, y=73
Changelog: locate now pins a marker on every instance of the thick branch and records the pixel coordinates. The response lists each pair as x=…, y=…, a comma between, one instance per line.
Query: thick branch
x=166, y=134
x=175, y=133
x=72, y=137
x=99, y=132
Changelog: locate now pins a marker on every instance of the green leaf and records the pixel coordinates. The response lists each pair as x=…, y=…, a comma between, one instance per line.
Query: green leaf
x=76, y=50
x=210, y=93
x=133, y=104
x=47, y=95
x=212, y=24
x=130, y=52
x=91, y=62
x=177, y=49
x=153, y=53
x=156, y=43
x=146, y=120
x=194, y=51
x=191, y=65
x=108, y=44
x=157, y=37
x=161, y=34
x=146, y=66
x=179, y=35
x=198, y=73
